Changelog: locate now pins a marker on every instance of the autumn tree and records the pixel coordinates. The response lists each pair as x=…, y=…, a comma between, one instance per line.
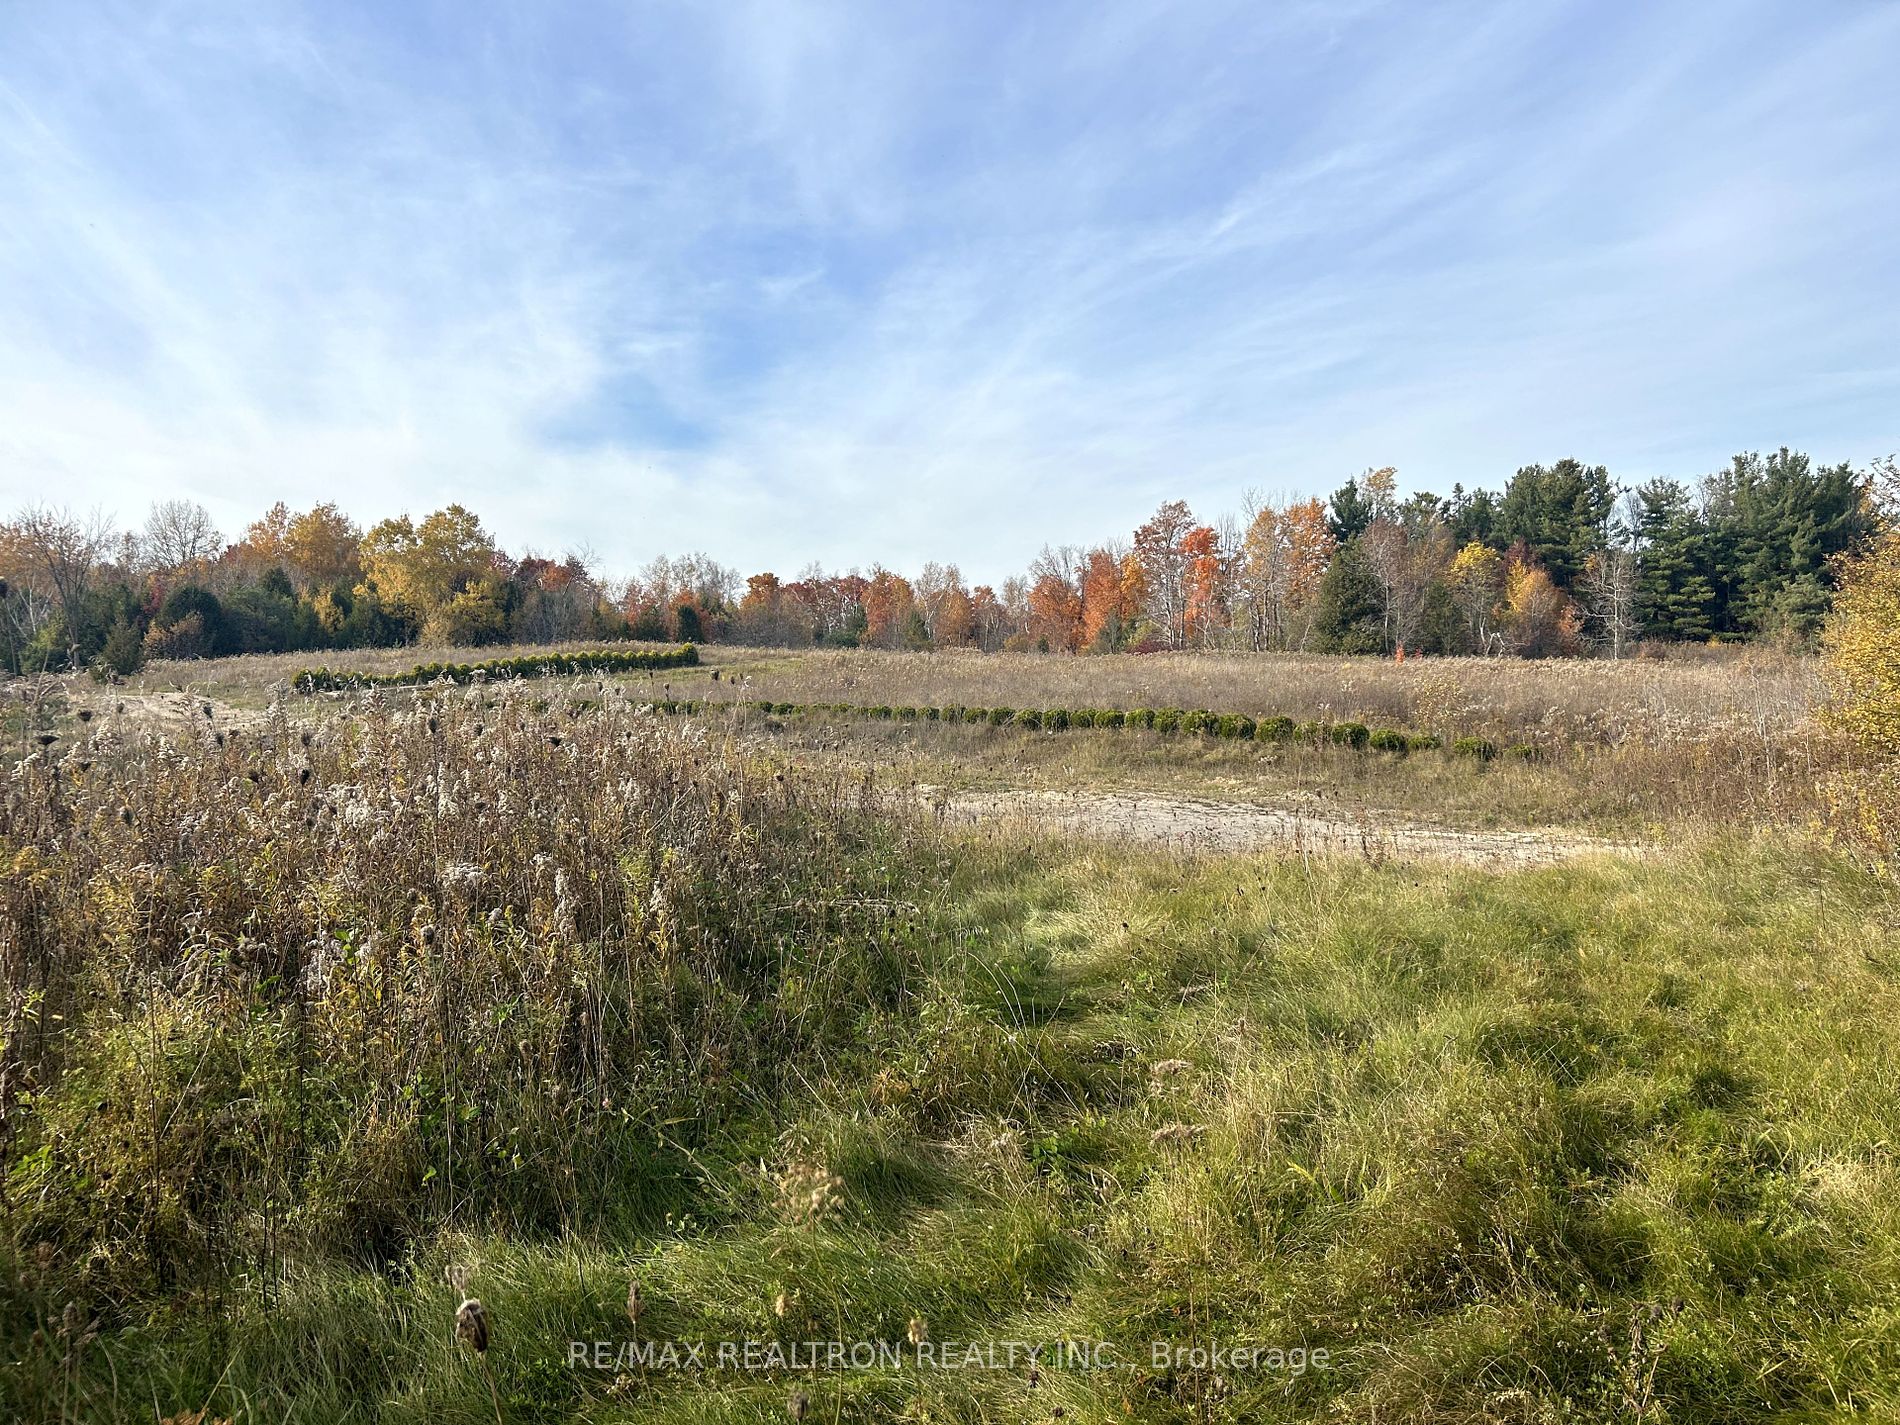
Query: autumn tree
x=56, y=554
x=322, y=546
x=1055, y=615
x=1108, y=610
x=1476, y=578
x=1407, y=551
x=1862, y=639
x=421, y=569
x=1161, y=550
x=1204, y=611
x=1539, y=621
x=954, y=624
x=266, y=540
x=888, y=603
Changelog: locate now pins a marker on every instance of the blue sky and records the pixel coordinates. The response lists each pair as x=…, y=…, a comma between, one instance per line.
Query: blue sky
x=898, y=281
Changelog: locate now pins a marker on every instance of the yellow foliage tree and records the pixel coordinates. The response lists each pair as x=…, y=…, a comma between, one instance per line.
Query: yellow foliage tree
x=419, y=568
x=1862, y=640
x=1477, y=587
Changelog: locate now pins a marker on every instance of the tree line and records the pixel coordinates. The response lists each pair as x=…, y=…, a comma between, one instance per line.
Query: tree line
x=1560, y=561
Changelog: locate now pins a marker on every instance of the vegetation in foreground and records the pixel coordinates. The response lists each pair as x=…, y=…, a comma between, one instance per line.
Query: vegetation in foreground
x=304, y=1039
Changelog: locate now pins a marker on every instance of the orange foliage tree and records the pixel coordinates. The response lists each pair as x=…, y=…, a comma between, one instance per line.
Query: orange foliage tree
x=1055, y=615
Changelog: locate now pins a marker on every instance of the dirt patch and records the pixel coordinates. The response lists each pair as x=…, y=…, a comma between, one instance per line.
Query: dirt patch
x=1194, y=824
x=167, y=712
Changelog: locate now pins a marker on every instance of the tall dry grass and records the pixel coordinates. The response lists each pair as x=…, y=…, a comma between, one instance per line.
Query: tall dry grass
x=1758, y=692
x=477, y=958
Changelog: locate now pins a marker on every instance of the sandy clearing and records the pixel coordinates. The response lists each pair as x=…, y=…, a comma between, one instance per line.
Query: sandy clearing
x=168, y=712
x=1196, y=824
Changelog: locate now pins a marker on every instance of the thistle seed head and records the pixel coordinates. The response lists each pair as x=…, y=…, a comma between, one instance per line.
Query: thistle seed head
x=471, y=1325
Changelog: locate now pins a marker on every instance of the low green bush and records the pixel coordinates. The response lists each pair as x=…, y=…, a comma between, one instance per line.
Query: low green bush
x=1273, y=729
x=999, y=716
x=1168, y=720
x=1422, y=742
x=1474, y=747
x=1350, y=734
x=1027, y=717
x=1388, y=739
x=606, y=660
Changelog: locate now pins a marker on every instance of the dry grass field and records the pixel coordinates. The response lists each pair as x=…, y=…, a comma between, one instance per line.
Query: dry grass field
x=1543, y=1088
x=1754, y=692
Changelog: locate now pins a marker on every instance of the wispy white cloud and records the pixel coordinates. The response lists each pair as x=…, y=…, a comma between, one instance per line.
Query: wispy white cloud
x=857, y=282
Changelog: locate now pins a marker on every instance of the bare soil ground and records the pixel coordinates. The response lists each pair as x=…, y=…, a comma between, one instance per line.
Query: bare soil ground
x=1192, y=824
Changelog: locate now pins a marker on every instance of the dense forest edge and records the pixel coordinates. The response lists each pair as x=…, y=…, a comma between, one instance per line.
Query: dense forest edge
x=1562, y=561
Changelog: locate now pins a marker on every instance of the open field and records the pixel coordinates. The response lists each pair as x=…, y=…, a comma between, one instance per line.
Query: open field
x=323, y=1013
x=1559, y=701
x=1695, y=694
x=1715, y=737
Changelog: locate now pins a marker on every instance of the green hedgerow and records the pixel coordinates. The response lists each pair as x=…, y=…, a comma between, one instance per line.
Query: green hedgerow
x=1388, y=739
x=1474, y=747
x=1523, y=751
x=1273, y=729
x=1168, y=719
x=999, y=716
x=1056, y=719
x=1422, y=742
x=906, y=714
x=1236, y=725
x=316, y=680
x=1110, y=717
x=1350, y=734
x=1027, y=717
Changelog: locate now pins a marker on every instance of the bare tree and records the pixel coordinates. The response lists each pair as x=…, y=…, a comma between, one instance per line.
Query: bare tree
x=1405, y=562
x=1607, y=588
x=179, y=533
x=59, y=552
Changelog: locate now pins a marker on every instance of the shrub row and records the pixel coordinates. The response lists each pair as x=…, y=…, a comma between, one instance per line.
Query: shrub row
x=1237, y=726
x=535, y=665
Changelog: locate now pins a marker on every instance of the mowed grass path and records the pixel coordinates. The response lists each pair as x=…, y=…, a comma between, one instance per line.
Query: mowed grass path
x=1605, y=1141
